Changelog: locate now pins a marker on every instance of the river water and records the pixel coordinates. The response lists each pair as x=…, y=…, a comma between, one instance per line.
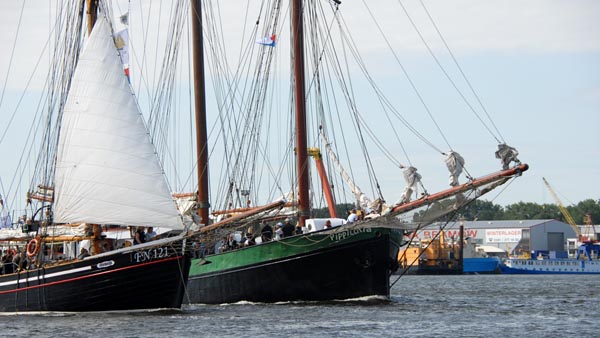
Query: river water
x=420, y=306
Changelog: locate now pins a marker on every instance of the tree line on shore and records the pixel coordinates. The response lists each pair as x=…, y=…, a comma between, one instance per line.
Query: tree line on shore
x=482, y=210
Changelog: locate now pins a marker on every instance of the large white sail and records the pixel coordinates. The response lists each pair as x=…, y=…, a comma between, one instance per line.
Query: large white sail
x=107, y=171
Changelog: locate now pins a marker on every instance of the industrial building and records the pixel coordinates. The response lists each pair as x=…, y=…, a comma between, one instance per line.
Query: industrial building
x=516, y=237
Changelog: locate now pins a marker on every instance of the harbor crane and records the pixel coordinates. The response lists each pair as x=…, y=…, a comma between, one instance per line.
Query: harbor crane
x=564, y=211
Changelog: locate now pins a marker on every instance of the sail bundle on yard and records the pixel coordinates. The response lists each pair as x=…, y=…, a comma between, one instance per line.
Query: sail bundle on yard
x=412, y=178
x=507, y=154
x=455, y=164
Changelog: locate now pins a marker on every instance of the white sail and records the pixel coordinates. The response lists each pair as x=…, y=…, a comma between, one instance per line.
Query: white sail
x=107, y=171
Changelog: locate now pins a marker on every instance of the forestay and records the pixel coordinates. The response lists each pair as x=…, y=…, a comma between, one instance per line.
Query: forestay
x=107, y=171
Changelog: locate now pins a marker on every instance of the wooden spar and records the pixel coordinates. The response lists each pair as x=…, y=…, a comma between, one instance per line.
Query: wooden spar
x=49, y=239
x=241, y=216
x=42, y=198
x=239, y=210
x=316, y=154
x=200, y=111
x=92, y=14
x=461, y=188
x=184, y=194
x=299, y=97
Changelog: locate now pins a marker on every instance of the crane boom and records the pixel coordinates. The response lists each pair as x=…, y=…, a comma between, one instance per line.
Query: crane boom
x=562, y=209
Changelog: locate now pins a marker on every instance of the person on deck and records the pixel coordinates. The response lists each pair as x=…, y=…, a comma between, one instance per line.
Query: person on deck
x=20, y=260
x=327, y=225
x=249, y=239
x=7, y=263
x=150, y=234
x=138, y=236
x=352, y=217
x=83, y=253
x=278, y=231
x=231, y=244
x=266, y=233
x=288, y=228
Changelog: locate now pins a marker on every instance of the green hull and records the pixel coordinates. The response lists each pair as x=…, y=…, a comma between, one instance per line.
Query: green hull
x=340, y=263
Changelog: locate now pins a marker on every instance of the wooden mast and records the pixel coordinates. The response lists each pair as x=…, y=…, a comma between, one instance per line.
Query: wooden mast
x=300, y=104
x=92, y=14
x=200, y=111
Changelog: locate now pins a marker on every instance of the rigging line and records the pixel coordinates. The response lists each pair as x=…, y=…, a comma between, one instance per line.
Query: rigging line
x=451, y=218
x=383, y=98
x=462, y=73
x=255, y=104
x=437, y=61
x=339, y=116
x=412, y=84
x=230, y=93
x=27, y=85
x=32, y=131
x=214, y=49
x=320, y=58
x=504, y=188
x=158, y=26
x=66, y=56
x=12, y=53
x=144, y=42
x=379, y=143
x=343, y=134
x=327, y=41
x=349, y=94
x=349, y=89
x=162, y=100
x=375, y=139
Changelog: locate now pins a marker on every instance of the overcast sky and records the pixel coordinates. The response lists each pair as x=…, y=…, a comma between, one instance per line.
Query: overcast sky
x=535, y=64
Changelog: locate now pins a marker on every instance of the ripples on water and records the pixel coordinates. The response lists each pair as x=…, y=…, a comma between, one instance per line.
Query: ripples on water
x=423, y=306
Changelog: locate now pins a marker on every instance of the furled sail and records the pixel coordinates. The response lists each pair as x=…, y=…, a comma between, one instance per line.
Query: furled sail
x=107, y=171
x=363, y=200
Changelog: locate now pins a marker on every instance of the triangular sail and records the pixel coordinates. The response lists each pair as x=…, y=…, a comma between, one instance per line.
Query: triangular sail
x=107, y=171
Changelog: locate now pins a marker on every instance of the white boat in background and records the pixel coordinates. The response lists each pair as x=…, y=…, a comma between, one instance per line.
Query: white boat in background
x=586, y=262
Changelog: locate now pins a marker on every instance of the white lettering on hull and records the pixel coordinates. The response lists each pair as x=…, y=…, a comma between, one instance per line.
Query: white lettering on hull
x=151, y=254
x=338, y=236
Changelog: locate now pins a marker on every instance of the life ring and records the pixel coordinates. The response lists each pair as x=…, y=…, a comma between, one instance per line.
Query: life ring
x=33, y=247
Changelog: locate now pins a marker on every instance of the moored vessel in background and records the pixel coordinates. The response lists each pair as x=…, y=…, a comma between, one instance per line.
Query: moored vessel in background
x=442, y=256
x=587, y=261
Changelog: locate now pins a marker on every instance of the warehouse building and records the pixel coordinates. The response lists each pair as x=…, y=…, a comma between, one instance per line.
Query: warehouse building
x=516, y=237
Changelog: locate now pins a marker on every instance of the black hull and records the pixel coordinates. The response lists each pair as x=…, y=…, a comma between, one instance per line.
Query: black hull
x=361, y=268
x=147, y=278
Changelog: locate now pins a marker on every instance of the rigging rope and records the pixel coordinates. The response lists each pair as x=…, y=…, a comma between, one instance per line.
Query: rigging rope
x=464, y=77
x=409, y=79
x=12, y=53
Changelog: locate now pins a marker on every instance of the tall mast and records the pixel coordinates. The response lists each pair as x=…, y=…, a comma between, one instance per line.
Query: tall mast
x=92, y=14
x=200, y=111
x=299, y=97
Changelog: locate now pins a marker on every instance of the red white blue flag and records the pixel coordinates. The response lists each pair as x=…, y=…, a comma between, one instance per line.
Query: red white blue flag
x=267, y=41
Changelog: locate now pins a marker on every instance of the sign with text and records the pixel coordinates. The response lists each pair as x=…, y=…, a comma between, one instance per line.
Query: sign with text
x=502, y=235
